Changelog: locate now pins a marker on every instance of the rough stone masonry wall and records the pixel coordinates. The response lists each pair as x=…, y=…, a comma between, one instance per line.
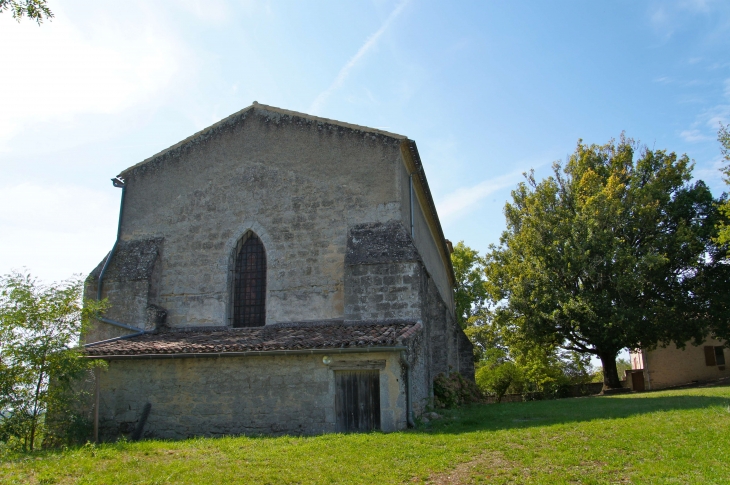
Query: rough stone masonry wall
x=131, y=283
x=466, y=355
x=385, y=278
x=421, y=376
x=236, y=395
x=382, y=273
x=383, y=291
x=297, y=183
x=440, y=343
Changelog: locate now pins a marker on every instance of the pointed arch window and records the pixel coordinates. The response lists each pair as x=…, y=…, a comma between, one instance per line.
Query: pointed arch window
x=249, y=285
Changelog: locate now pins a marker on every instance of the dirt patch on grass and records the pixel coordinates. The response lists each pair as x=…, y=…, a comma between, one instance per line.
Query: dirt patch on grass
x=487, y=465
x=493, y=467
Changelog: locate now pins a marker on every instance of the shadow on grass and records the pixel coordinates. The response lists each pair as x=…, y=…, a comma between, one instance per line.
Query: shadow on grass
x=493, y=417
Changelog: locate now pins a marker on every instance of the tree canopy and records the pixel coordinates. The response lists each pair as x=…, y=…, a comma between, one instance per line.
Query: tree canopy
x=614, y=250
x=39, y=353
x=506, y=360
x=470, y=289
x=33, y=9
x=723, y=136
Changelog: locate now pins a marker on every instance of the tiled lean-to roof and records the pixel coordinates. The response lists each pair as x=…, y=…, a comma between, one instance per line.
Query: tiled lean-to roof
x=277, y=337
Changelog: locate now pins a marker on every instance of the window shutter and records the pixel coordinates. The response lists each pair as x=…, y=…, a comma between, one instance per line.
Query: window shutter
x=719, y=356
x=710, y=355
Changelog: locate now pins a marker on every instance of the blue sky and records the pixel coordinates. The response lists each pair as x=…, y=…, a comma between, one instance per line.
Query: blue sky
x=487, y=90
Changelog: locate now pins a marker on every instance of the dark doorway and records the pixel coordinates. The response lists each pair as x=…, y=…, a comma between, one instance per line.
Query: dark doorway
x=357, y=400
x=637, y=380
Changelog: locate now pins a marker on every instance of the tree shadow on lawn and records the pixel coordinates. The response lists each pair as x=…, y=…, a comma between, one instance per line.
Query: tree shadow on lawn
x=493, y=417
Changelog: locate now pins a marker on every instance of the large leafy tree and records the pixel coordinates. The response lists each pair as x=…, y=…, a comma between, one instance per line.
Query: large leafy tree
x=39, y=353
x=612, y=251
x=33, y=9
x=497, y=348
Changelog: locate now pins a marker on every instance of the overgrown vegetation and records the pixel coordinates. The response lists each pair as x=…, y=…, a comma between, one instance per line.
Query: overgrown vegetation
x=453, y=390
x=506, y=361
x=40, y=360
x=658, y=437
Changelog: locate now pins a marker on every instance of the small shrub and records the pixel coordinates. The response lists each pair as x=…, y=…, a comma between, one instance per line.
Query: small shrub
x=68, y=430
x=453, y=390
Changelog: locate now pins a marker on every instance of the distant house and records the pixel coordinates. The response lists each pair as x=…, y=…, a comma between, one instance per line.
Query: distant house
x=275, y=273
x=670, y=366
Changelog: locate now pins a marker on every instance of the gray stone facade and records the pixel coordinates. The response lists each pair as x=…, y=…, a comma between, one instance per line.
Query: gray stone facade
x=350, y=233
x=235, y=395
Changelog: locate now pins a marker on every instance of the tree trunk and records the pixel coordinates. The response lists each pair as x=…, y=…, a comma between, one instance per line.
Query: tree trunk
x=610, y=374
x=35, y=404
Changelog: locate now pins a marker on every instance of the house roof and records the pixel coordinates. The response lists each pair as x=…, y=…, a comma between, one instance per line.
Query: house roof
x=276, y=337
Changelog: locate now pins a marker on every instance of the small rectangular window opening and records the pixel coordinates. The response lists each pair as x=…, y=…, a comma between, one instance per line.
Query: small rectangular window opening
x=714, y=355
x=719, y=355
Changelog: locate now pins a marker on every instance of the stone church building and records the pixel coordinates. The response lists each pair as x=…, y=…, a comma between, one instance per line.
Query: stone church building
x=274, y=273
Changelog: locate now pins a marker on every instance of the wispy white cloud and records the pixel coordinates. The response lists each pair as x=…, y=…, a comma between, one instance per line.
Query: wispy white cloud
x=695, y=5
x=347, y=68
x=209, y=11
x=100, y=64
x=666, y=17
x=53, y=230
x=463, y=198
x=693, y=136
x=711, y=173
x=707, y=122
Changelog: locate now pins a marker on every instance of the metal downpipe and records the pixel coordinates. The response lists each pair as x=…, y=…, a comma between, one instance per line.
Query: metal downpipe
x=409, y=403
x=140, y=332
x=119, y=183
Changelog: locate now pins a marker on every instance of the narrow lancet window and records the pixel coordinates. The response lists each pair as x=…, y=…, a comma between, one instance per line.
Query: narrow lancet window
x=249, y=287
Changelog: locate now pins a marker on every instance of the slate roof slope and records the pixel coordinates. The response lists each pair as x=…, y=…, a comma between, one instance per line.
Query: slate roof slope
x=304, y=336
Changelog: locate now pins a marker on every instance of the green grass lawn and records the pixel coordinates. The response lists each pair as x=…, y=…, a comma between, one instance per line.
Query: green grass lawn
x=680, y=436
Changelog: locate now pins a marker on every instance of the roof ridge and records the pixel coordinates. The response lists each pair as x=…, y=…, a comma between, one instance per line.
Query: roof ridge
x=264, y=108
x=331, y=121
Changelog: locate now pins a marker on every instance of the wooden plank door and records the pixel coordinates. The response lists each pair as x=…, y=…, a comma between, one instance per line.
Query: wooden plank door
x=637, y=381
x=357, y=400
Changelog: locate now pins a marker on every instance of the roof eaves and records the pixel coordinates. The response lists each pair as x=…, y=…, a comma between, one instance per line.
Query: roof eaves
x=411, y=152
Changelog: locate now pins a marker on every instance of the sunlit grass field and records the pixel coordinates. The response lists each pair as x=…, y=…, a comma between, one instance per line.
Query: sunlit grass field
x=680, y=436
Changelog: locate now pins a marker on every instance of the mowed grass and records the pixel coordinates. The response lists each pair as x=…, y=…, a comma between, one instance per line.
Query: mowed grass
x=680, y=436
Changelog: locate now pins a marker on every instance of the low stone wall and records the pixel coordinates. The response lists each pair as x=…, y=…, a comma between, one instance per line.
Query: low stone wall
x=292, y=394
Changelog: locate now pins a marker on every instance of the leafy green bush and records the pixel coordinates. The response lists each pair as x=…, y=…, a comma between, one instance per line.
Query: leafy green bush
x=453, y=390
